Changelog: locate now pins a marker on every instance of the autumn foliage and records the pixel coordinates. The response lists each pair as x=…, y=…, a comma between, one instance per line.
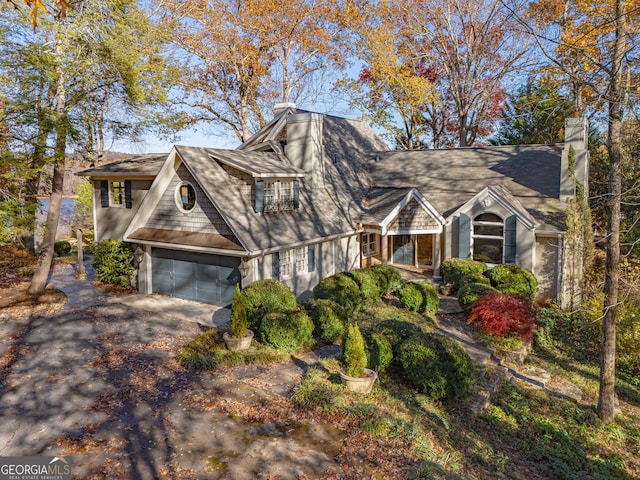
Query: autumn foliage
x=503, y=314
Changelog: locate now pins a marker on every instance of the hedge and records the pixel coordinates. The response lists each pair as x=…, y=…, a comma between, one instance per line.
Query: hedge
x=286, y=331
x=389, y=278
x=327, y=326
x=436, y=366
x=266, y=296
x=453, y=269
x=368, y=284
x=343, y=290
x=512, y=278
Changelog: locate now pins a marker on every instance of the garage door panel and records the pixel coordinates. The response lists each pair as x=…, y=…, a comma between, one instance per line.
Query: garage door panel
x=194, y=276
x=207, y=272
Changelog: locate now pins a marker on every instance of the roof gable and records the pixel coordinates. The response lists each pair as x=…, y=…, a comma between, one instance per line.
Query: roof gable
x=258, y=164
x=504, y=198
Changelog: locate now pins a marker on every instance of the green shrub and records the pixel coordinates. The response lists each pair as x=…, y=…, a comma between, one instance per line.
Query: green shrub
x=327, y=326
x=389, y=278
x=436, y=366
x=343, y=290
x=197, y=354
x=397, y=331
x=453, y=269
x=266, y=296
x=470, y=292
x=353, y=351
x=286, y=331
x=512, y=278
x=430, y=299
x=410, y=296
x=62, y=247
x=367, y=283
x=473, y=278
x=113, y=262
x=380, y=351
x=238, y=322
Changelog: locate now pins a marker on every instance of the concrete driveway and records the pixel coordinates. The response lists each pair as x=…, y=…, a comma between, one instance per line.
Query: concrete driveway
x=98, y=382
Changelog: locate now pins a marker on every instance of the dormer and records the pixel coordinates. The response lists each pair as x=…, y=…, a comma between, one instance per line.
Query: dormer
x=272, y=183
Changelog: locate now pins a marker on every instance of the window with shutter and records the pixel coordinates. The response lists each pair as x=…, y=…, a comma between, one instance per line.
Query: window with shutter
x=488, y=238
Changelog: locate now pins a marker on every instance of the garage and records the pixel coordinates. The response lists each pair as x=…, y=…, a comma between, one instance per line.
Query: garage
x=195, y=276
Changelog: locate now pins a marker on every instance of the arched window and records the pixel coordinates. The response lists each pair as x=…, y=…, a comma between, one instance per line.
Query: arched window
x=186, y=197
x=488, y=238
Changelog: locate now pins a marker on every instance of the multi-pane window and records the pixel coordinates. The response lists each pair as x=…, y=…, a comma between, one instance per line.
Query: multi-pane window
x=278, y=196
x=301, y=259
x=117, y=193
x=369, y=244
x=270, y=197
x=488, y=238
x=285, y=264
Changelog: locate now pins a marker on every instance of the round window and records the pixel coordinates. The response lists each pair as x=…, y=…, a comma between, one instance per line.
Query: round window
x=186, y=197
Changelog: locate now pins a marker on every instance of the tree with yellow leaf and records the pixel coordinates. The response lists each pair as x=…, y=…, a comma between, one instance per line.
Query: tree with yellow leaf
x=394, y=84
x=241, y=57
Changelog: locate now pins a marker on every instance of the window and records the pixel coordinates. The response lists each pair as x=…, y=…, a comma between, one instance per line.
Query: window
x=301, y=260
x=186, y=197
x=369, y=244
x=285, y=264
x=118, y=194
x=275, y=196
x=488, y=238
x=270, y=197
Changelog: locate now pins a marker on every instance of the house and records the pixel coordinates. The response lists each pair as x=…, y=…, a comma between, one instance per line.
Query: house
x=311, y=195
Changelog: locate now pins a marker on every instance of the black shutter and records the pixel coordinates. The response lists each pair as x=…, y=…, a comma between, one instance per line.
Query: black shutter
x=259, y=196
x=128, y=199
x=104, y=193
x=311, y=260
x=510, y=239
x=464, y=236
x=275, y=266
x=296, y=194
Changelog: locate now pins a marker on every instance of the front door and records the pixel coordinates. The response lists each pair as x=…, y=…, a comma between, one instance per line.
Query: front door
x=403, y=250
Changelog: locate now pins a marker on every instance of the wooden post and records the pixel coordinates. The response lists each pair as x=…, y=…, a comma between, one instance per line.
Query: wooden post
x=80, y=272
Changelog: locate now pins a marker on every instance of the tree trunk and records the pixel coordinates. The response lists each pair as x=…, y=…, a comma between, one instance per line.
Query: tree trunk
x=607, y=394
x=39, y=280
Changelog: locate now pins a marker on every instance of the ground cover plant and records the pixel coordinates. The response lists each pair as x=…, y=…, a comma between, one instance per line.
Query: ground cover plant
x=209, y=352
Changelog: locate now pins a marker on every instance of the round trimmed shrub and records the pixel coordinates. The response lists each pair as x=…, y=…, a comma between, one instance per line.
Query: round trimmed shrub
x=397, y=331
x=113, y=262
x=286, y=331
x=513, y=279
x=453, y=269
x=328, y=327
x=470, y=292
x=436, y=366
x=343, y=290
x=430, y=299
x=367, y=282
x=266, y=296
x=473, y=278
x=380, y=351
x=410, y=296
x=61, y=247
x=389, y=278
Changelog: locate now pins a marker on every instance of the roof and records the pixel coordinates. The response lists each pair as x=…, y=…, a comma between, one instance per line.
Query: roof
x=258, y=164
x=147, y=165
x=449, y=178
x=201, y=240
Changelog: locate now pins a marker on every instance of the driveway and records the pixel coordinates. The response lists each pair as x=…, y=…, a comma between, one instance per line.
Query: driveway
x=98, y=382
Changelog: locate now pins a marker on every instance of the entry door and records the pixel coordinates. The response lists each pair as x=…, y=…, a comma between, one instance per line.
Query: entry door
x=403, y=250
x=204, y=278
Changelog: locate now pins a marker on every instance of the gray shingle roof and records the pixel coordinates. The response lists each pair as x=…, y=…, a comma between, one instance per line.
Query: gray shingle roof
x=257, y=164
x=139, y=165
x=450, y=178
